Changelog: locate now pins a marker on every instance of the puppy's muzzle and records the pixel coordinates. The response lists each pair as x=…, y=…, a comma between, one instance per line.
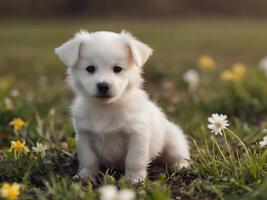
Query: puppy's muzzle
x=103, y=89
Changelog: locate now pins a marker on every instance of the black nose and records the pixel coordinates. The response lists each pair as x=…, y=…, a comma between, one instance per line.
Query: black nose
x=102, y=87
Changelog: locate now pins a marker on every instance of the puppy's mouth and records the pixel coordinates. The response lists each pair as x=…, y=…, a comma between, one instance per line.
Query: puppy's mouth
x=103, y=96
x=107, y=98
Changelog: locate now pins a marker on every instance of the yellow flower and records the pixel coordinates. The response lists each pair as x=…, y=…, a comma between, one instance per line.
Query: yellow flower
x=17, y=124
x=18, y=147
x=239, y=69
x=238, y=72
x=10, y=191
x=227, y=75
x=205, y=62
x=5, y=82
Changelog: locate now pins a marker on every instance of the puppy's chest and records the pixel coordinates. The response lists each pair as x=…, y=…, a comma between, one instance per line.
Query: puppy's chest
x=112, y=147
x=102, y=123
x=110, y=136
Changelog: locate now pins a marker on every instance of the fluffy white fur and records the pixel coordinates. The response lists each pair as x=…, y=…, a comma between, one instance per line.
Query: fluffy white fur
x=125, y=130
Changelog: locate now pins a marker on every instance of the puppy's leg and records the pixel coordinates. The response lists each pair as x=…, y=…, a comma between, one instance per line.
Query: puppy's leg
x=87, y=159
x=176, y=150
x=137, y=157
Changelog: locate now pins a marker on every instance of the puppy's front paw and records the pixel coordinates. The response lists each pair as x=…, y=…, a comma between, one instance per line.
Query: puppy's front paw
x=136, y=177
x=85, y=175
x=184, y=163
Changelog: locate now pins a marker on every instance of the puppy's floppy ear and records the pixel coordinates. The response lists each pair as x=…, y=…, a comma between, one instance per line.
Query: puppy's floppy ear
x=140, y=52
x=69, y=51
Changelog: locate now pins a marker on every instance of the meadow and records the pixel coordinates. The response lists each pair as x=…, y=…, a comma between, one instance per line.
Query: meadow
x=32, y=88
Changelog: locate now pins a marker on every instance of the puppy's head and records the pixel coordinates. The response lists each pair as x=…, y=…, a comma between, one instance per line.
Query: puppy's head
x=104, y=65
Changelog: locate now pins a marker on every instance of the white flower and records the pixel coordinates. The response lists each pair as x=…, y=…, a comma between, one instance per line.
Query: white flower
x=52, y=111
x=192, y=78
x=8, y=103
x=110, y=192
x=14, y=93
x=263, y=143
x=263, y=65
x=217, y=123
x=40, y=148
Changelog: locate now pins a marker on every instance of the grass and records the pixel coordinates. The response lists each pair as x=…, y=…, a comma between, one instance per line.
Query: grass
x=27, y=63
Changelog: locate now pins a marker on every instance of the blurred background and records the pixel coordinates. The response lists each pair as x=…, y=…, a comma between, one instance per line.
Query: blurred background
x=179, y=31
x=152, y=8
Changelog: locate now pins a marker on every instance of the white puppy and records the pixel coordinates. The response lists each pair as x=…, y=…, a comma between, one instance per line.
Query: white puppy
x=115, y=122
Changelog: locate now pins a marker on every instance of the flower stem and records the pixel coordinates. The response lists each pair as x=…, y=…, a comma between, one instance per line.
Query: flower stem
x=236, y=136
x=219, y=148
x=228, y=147
x=201, y=153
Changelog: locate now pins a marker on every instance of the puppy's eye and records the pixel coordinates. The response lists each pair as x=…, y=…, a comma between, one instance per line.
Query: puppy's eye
x=117, y=69
x=91, y=69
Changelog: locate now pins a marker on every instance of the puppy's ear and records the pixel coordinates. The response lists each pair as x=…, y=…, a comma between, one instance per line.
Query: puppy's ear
x=140, y=52
x=69, y=51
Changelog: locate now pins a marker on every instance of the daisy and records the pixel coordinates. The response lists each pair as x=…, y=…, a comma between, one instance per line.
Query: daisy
x=18, y=147
x=8, y=103
x=17, y=124
x=237, y=72
x=263, y=143
x=10, y=191
x=217, y=123
x=6, y=82
x=263, y=65
x=40, y=149
x=228, y=75
x=14, y=93
x=192, y=78
x=239, y=69
x=110, y=192
x=206, y=62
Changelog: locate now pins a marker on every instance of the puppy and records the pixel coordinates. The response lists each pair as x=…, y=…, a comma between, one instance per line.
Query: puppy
x=114, y=120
